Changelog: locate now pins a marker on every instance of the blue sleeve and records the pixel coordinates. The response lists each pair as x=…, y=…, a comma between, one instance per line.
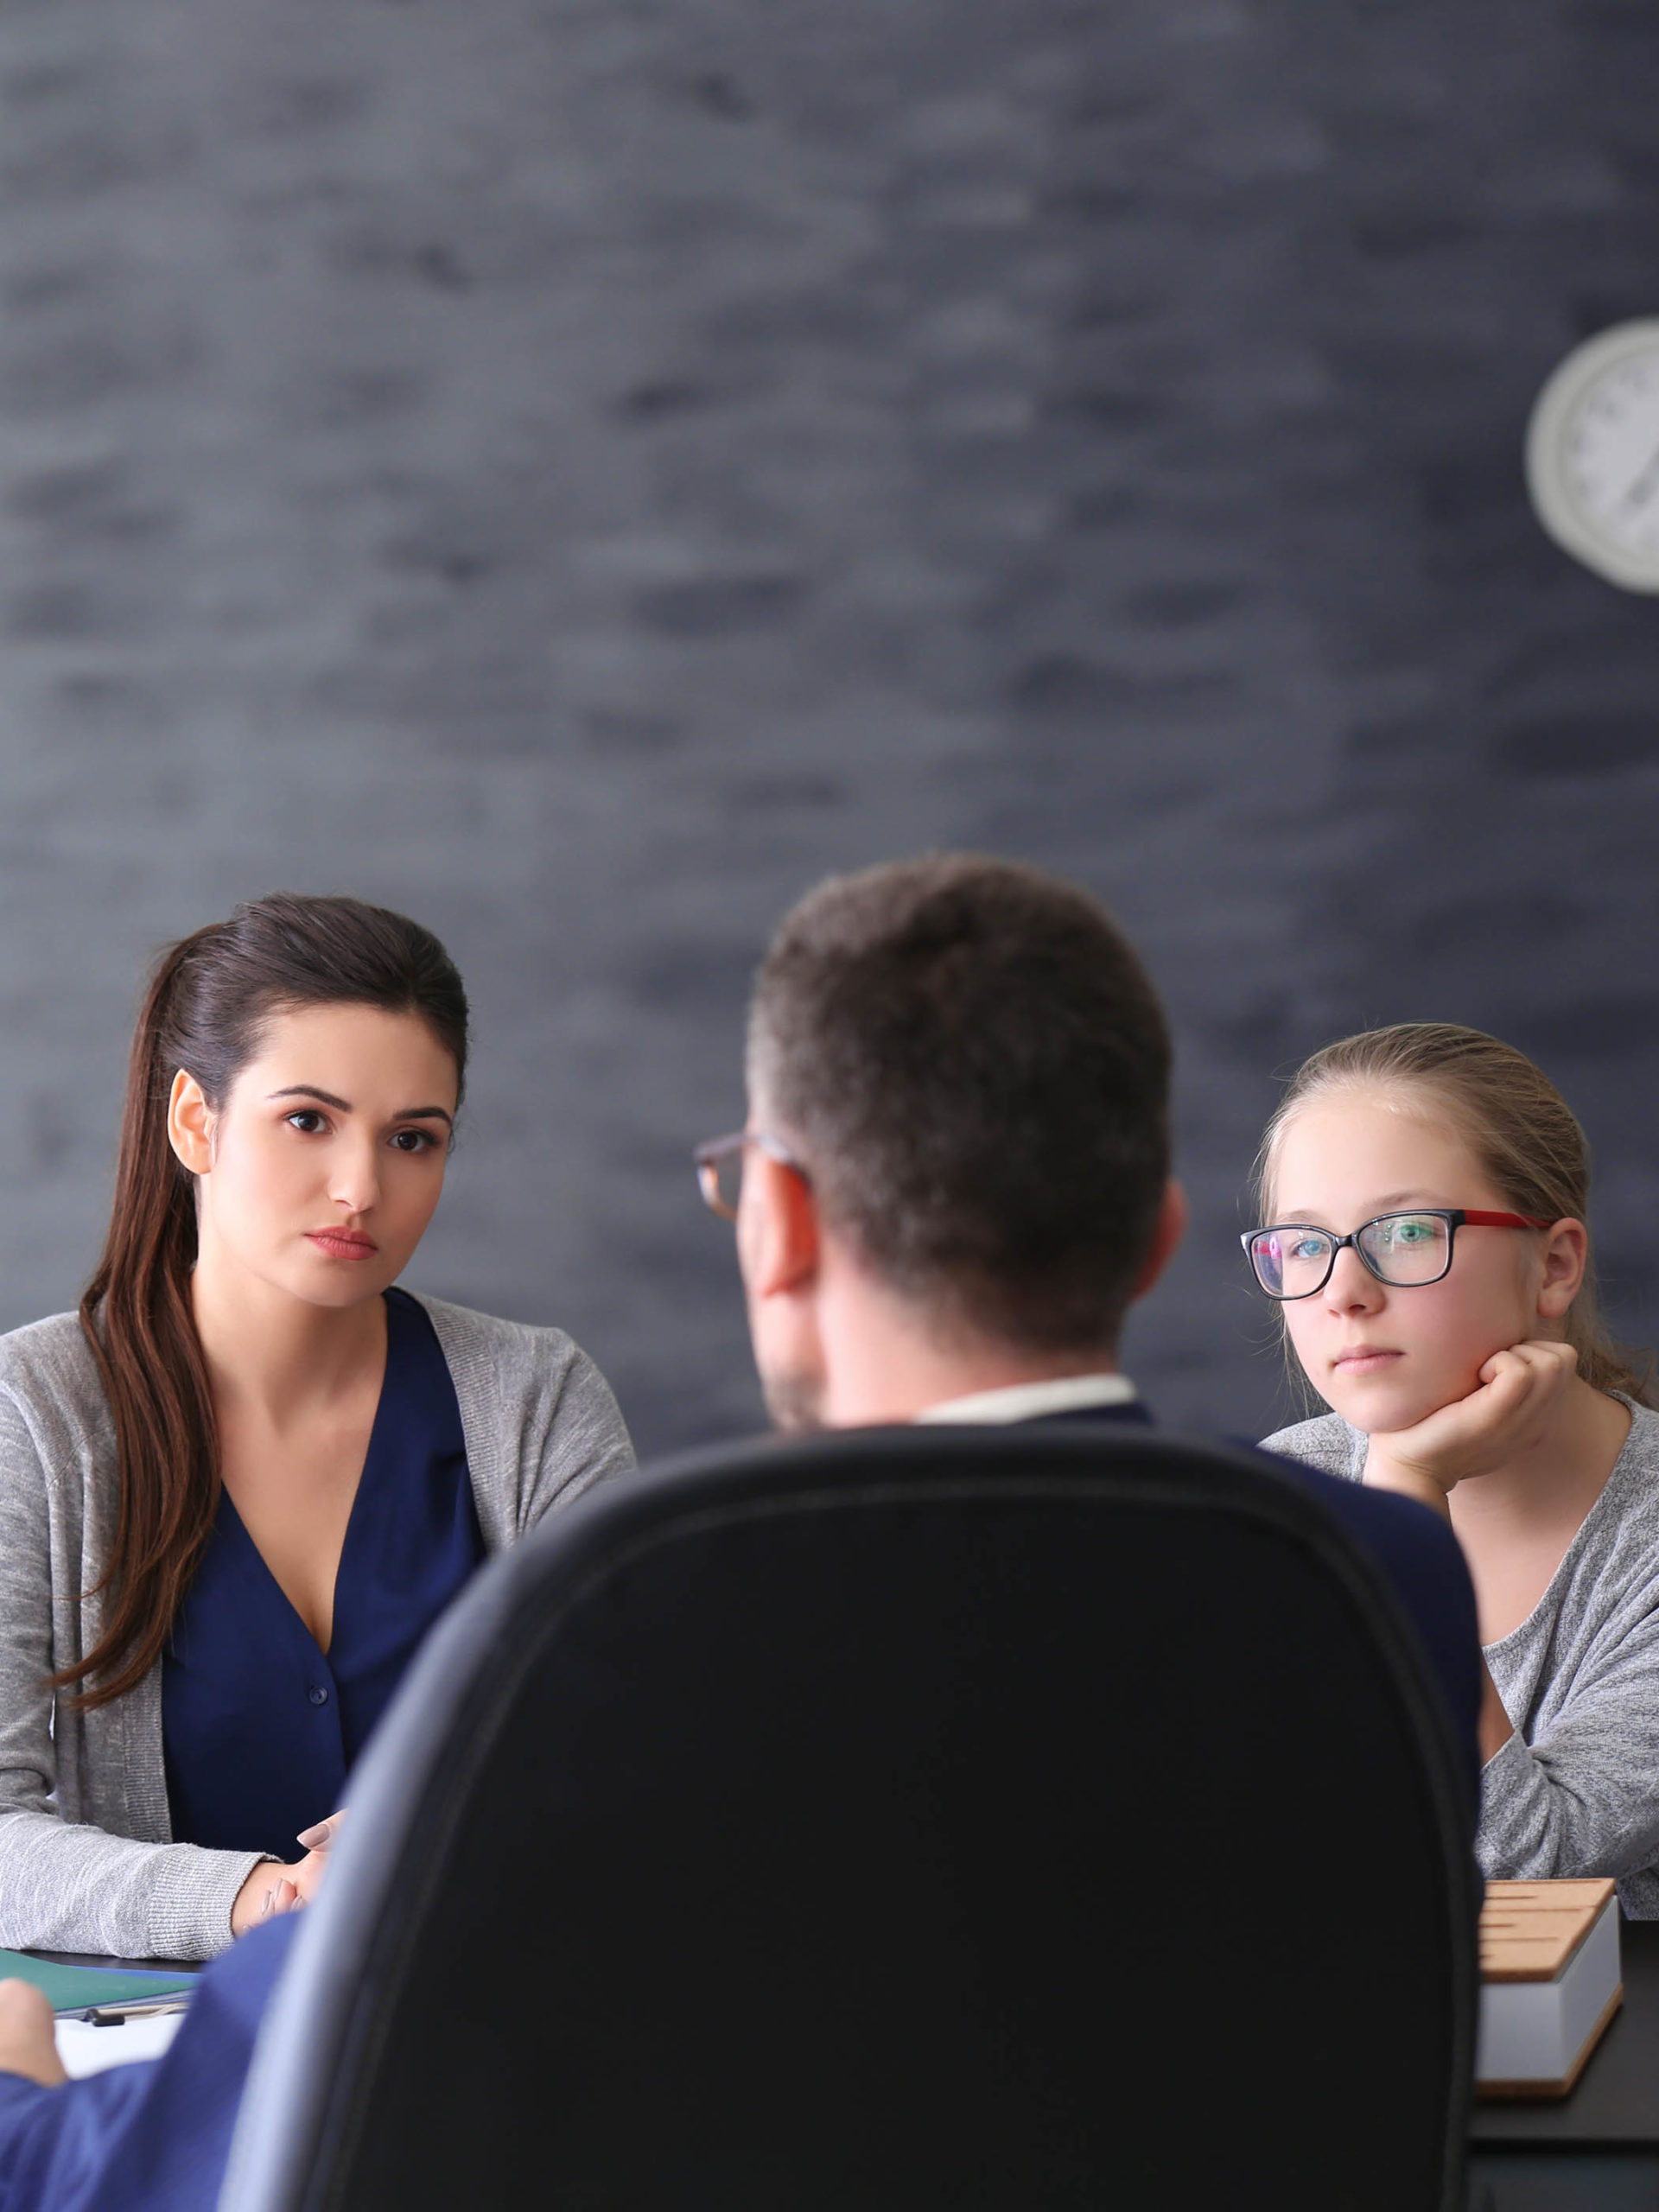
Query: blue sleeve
x=55, y=2144
x=155, y=2136
x=1424, y=1562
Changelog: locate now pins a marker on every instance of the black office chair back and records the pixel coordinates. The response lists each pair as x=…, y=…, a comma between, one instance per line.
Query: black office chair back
x=994, y=1818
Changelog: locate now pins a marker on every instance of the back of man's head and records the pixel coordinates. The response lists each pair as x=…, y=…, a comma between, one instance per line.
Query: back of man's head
x=970, y=1063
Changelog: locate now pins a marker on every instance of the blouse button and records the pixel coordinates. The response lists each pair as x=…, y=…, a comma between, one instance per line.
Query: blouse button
x=318, y=1694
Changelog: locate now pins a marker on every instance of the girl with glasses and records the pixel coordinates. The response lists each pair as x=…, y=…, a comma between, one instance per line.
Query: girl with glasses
x=240, y=1484
x=1423, y=1191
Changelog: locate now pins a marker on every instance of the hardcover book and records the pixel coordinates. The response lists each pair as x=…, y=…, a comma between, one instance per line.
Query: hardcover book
x=1549, y=1978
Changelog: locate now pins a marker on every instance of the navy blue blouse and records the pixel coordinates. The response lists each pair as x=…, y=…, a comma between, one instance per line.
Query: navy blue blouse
x=258, y=1726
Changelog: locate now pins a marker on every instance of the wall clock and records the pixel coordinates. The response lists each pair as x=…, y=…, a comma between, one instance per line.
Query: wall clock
x=1592, y=455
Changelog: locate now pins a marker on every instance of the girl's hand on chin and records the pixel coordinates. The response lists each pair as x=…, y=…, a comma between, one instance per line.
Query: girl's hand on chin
x=1520, y=1390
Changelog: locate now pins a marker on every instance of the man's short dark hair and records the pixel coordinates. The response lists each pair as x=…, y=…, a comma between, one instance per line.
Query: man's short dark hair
x=975, y=1069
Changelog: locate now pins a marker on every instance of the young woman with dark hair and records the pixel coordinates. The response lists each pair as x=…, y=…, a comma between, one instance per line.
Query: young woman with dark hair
x=237, y=1488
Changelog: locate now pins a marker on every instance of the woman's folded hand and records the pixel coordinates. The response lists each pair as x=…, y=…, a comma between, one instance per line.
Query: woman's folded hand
x=273, y=1888
x=307, y=1875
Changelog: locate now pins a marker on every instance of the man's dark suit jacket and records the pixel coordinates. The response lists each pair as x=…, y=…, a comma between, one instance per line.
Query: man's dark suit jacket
x=1417, y=1553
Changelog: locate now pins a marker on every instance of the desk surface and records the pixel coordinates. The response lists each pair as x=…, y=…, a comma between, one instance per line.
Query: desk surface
x=1616, y=2104
x=101, y=1959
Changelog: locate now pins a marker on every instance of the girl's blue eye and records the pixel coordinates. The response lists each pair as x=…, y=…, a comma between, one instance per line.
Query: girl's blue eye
x=1307, y=1248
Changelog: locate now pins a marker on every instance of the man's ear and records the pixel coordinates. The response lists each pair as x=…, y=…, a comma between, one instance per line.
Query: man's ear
x=777, y=1230
x=1167, y=1233
x=190, y=1124
x=1566, y=1256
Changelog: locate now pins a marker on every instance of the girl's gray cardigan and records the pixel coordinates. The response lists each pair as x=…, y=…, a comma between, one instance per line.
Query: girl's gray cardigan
x=86, y=1860
x=1575, y=1789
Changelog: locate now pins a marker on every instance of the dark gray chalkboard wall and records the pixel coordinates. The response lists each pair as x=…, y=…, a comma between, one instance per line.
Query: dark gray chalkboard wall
x=580, y=471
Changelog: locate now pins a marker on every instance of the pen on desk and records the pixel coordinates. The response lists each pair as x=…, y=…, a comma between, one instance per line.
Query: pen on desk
x=137, y=2008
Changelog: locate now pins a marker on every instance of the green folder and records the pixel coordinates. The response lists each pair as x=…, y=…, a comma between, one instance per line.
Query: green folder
x=72, y=1989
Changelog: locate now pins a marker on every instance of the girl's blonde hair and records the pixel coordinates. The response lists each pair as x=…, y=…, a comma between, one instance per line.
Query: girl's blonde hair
x=1518, y=1126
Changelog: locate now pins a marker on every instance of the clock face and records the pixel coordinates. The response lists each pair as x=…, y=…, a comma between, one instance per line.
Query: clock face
x=1592, y=456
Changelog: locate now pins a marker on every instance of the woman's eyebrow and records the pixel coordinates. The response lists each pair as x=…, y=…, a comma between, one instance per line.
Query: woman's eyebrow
x=343, y=1105
x=310, y=1090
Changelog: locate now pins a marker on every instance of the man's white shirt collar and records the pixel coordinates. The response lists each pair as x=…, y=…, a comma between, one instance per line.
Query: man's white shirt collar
x=1030, y=1401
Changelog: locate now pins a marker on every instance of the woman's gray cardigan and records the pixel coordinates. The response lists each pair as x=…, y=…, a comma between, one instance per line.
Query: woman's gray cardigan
x=87, y=1863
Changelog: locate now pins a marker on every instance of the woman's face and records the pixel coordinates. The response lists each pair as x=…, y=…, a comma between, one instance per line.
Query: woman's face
x=321, y=1170
x=1383, y=1358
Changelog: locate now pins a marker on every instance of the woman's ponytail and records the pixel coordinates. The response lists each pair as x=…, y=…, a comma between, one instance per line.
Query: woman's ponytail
x=136, y=1316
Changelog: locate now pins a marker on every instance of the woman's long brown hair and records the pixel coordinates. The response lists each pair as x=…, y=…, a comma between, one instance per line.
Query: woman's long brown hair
x=206, y=1009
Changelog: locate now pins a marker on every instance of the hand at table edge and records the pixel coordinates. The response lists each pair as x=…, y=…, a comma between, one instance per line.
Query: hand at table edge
x=29, y=2035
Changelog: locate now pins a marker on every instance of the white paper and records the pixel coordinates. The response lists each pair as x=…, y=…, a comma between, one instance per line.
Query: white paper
x=85, y=2049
